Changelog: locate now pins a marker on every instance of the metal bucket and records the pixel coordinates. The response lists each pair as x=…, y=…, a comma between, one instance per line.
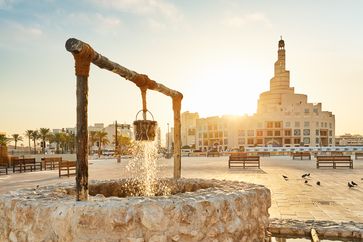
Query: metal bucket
x=145, y=130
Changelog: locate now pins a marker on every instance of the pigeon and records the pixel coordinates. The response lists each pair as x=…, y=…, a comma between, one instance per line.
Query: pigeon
x=354, y=184
x=350, y=185
x=308, y=174
x=285, y=177
x=303, y=176
x=306, y=181
x=318, y=183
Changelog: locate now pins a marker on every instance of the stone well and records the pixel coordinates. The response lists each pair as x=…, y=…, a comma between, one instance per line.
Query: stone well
x=194, y=210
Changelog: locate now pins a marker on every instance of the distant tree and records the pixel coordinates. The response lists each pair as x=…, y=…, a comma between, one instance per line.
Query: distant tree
x=91, y=139
x=4, y=140
x=35, y=136
x=28, y=134
x=3, y=148
x=16, y=138
x=125, y=145
x=44, y=133
x=102, y=140
x=56, y=138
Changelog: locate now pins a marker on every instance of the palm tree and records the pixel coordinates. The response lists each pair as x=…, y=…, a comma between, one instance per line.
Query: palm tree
x=44, y=132
x=92, y=140
x=28, y=134
x=124, y=145
x=102, y=140
x=16, y=138
x=3, y=148
x=57, y=138
x=35, y=136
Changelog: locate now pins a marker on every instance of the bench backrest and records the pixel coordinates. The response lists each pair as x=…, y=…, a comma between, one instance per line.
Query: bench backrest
x=67, y=163
x=245, y=158
x=52, y=159
x=334, y=158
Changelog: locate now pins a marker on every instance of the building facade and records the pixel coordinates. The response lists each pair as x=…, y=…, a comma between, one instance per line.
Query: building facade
x=283, y=119
x=349, y=140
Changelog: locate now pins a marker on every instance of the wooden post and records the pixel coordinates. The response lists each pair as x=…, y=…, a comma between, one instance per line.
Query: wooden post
x=177, y=137
x=314, y=236
x=82, y=56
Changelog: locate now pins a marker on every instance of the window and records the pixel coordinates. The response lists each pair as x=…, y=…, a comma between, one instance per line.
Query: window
x=250, y=141
x=215, y=127
x=241, y=141
x=297, y=132
x=259, y=141
x=200, y=135
x=205, y=143
x=306, y=110
x=315, y=110
x=297, y=124
x=306, y=140
x=269, y=133
x=317, y=132
x=277, y=124
x=287, y=124
x=287, y=141
x=325, y=124
x=287, y=132
x=205, y=135
x=330, y=140
x=306, y=132
x=250, y=133
x=200, y=143
x=241, y=133
x=216, y=134
x=322, y=124
x=297, y=141
x=317, y=140
x=259, y=133
x=306, y=124
x=330, y=125
x=226, y=141
x=330, y=132
x=269, y=124
x=277, y=133
x=210, y=135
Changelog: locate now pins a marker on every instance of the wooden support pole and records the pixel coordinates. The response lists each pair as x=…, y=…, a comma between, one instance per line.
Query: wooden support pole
x=177, y=137
x=82, y=65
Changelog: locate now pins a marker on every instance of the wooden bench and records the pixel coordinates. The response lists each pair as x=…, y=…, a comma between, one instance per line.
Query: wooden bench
x=4, y=168
x=334, y=161
x=336, y=153
x=358, y=155
x=244, y=161
x=68, y=167
x=263, y=153
x=301, y=155
x=51, y=162
x=213, y=154
x=25, y=164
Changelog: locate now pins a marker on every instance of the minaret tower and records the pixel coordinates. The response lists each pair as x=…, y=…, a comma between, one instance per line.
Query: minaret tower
x=281, y=79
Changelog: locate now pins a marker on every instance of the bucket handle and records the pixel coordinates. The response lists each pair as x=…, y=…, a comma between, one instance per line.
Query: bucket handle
x=146, y=111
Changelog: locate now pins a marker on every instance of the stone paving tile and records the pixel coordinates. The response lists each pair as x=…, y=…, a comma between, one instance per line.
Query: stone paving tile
x=293, y=199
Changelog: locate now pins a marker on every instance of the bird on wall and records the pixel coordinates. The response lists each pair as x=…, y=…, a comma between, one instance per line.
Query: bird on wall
x=354, y=184
x=318, y=183
x=350, y=185
x=285, y=177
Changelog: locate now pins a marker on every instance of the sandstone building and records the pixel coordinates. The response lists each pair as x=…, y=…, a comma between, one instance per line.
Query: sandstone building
x=283, y=119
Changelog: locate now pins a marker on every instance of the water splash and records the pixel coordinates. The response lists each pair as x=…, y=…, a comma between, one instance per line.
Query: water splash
x=143, y=167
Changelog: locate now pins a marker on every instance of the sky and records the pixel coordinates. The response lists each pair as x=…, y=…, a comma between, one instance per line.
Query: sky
x=218, y=53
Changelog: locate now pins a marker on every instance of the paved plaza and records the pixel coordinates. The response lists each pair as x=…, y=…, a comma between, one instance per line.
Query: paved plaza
x=291, y=198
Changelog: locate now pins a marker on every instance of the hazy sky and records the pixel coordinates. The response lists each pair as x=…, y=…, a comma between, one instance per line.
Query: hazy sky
x=218, y=53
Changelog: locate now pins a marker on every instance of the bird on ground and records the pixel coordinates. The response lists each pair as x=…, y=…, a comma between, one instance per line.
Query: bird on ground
x=308, y=174
x=303, y=176
x=306, y=181
x=285, y=177
x=354, y=184
x=350, y=185
x=318, y=183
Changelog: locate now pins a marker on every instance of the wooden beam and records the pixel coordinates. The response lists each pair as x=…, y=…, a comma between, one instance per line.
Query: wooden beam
x=314, y=236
